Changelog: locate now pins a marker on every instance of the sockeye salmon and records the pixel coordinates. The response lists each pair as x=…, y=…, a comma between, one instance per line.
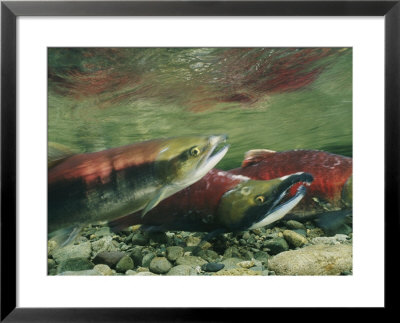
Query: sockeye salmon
x=221, y=202
x=331, y=189
x=105, y=185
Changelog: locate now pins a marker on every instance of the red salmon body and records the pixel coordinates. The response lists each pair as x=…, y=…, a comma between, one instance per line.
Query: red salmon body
x=194, y=204
x=332, y=174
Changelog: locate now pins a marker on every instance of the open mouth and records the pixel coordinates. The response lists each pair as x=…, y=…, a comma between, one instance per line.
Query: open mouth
x=282, y=205
x=213, y=157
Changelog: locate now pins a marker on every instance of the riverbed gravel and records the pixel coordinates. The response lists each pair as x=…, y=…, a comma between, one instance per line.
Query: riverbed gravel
x=278, y=250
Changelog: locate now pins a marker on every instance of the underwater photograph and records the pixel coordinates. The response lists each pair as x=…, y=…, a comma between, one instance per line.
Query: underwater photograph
x=200, y=161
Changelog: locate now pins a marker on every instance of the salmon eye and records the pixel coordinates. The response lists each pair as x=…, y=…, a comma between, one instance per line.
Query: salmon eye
x=195, y=151
x=259, y=199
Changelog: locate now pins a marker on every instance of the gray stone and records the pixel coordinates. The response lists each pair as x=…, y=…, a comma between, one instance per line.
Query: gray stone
x=103, y=244
x=174, y=253
x=262, y=256
x=130, y=272
x=341, y=237
x=276, y=245
x=294, y=239
x=192, y=261
x=109, y=258
x=137, y=256
x=124, y=264
x=160, y=265
x=140, y=239
x=102, y=232
x=231, y=252
x=103, y=270
x=75, y=264
x=212, y=267
x=81, y=250
x=313, y=260
x=231, y=263
x=182, y=270
x=300, y=231
x=208, y=255
x=161, y=252
x=192, y=241
x=258, y=268
x=293, y=225
x=246, y=254
x=337, y=239
x=147, y=259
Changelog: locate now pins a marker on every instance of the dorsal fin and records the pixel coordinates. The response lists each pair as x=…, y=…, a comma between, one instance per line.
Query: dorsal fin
x=256, y=155
x=56, y=153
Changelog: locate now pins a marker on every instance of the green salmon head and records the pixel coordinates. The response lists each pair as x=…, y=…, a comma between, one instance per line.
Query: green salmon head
x=253, y=204
x=183, y=161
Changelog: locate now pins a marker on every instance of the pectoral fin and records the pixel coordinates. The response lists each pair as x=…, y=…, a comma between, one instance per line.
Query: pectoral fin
x=66, y=236
x=159, y=196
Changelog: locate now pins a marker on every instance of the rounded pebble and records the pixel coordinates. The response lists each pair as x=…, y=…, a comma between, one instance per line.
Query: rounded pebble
x=212, y=267
x=295, y=239
x=124, y=264
x=103, y=269
x=160, y=265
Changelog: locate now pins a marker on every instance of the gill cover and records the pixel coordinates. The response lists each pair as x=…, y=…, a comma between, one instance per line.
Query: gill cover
x=183, y=161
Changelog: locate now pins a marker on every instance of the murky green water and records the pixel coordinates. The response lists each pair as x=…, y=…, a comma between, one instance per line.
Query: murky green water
x=111, y=97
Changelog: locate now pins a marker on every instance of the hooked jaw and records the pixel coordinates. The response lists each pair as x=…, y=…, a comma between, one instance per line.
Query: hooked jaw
x=210, y=161
x=278, y=211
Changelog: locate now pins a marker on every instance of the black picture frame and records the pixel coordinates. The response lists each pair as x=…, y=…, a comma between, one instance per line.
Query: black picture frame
x=10, y=10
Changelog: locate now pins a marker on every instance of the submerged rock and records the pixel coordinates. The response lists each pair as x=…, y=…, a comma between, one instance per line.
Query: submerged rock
x=294, y=239
x=295, y=225
x=231, y=262
x=160, y=265
x=192, y=261
x=109, y=258
x=337, y=239
x=174, y=253
x=140, y=239
x=276, y=245
x=192, y=241
x=212, y=267
x=103, y=270
x=182, y=270
x=313, y=260
x=124, y=264
x=75, y=264
x=82, y=250
x=136, y=255
x=104, y=244
x=147, y=259
x=208, y=255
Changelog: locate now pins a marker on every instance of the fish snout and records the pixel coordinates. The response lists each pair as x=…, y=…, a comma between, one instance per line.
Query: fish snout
x=215, y=140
